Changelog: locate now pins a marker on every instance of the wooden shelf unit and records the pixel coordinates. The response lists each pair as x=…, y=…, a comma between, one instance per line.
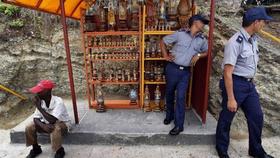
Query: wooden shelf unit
x=89, y=50
x=144, y=35
x=89, y=61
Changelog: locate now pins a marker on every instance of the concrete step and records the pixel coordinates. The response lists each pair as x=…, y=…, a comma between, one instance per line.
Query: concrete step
x=129, y=127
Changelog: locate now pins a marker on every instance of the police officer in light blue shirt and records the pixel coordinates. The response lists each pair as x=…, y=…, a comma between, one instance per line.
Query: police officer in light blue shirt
x=188, y=45
x=241, y=56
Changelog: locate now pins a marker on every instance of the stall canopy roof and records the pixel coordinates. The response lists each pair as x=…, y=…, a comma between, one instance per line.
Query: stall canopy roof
x=72, y=7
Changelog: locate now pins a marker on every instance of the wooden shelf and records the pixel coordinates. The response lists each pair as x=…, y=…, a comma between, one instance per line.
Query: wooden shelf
x=117, y=104
x=158, y=32
x=155, y=82
x=112, y=33
x=119, y=47
x=154, y=59
x=115, y=82
x=115, y=59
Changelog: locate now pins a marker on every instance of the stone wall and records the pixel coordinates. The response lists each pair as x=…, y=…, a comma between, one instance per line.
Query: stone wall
x=26, y=59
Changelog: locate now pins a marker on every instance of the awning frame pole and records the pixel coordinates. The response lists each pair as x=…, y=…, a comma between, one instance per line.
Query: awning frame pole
x=68, y=58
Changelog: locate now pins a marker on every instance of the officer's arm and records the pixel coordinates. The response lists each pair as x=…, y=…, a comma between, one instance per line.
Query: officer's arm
x=204, y=48
x=231, y=53
x=228, y=70
x=168, y=40
x=164, y=50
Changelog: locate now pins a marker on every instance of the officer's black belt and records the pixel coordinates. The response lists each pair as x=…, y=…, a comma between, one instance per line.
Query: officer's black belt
x=180, y=67
x=243, y=78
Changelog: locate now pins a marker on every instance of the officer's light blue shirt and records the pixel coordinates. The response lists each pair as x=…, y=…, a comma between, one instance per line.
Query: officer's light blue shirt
x=242, y=52
x=185, y=46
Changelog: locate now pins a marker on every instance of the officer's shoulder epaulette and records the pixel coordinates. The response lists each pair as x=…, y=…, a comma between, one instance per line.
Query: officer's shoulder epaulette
x=239, y=39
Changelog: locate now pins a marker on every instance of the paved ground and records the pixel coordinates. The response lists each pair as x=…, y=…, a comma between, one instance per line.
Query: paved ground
x=236, y=150
x=128, y=127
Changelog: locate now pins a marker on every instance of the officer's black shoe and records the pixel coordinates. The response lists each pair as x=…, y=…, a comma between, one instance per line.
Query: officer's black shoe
x=167, y=121
x=175, y=131
x=34, y=152
x=59, y=153
x=265, y=155
x=222, y=154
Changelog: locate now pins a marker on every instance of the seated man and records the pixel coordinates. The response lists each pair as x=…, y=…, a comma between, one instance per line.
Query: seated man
x=50, y=117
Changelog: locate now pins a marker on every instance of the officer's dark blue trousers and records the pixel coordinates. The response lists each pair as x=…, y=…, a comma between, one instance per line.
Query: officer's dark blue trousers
x=176, y=80
x=247, y=99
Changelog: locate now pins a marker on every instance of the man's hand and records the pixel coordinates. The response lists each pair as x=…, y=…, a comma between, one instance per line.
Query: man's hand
x=43, y=127
x=195, y=58
x=232, y=105
x=169, y=57
x=48, y=128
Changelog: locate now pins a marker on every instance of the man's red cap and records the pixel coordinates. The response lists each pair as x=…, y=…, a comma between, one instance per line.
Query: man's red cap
x=42, y=85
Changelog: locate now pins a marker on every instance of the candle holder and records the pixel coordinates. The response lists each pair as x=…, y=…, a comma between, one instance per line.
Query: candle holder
x=133, y=97
x=147, y=101
x=100, y=101
x=122, y=15
x=184, y=10
x=111, y=16
x=157, y=99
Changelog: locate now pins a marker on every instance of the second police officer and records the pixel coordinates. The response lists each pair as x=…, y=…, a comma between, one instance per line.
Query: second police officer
x=241, y=56
x=188, y=45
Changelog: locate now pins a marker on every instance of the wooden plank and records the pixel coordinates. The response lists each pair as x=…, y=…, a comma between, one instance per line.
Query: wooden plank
x=76, y=7
x=114, y=83
x=155, y=82
x=117, y=104
x=110, y=33
x=39, y=3
x=158, y=32
x=151, y=59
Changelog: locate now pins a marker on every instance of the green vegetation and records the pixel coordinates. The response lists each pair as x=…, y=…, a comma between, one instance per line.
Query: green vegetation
x=13, y=12
x=17, y=23
x=9, y=9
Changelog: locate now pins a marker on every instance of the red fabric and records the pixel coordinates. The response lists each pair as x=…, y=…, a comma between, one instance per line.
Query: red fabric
x=42, y=85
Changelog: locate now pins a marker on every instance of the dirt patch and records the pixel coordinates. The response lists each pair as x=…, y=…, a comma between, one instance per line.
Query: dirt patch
x=16, y=114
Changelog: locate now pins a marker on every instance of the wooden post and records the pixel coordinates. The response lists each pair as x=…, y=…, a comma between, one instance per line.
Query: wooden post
x=68, y=58
x=209, y=58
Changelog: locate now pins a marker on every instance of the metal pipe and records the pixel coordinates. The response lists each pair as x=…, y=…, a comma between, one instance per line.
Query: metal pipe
x=190, y=89
x=209, y=58
x=270, y=36
x=12, y=92
x=68, y=58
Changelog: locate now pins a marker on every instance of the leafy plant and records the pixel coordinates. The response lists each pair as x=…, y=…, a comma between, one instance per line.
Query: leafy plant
x=2, y=8
x=17, y=23
x=9, y=10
